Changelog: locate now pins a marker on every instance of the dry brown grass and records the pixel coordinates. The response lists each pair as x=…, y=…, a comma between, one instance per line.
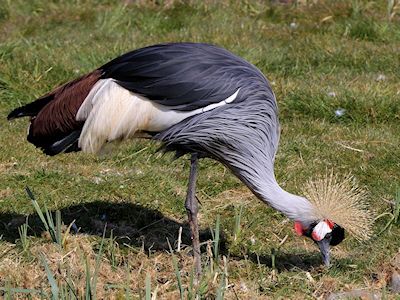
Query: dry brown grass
x=68, y=265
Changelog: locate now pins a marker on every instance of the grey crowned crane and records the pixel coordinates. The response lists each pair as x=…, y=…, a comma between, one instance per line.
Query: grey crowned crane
x=194, y=98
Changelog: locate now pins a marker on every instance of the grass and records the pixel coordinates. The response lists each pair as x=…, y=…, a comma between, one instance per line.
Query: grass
x=336, y=55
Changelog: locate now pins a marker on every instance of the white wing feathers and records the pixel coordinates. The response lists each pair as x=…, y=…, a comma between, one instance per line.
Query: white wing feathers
x=113, y=113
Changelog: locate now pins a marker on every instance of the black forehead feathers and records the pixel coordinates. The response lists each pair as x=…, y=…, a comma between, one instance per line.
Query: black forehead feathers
x=337, y=235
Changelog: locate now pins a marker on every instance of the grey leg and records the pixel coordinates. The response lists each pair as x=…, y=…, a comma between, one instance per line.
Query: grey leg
x=192, y=207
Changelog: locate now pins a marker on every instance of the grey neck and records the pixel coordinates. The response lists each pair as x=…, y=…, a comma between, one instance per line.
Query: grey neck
x=294, y=207
x=260, y=179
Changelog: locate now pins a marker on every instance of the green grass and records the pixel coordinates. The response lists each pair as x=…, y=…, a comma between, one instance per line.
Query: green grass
x=340, y=47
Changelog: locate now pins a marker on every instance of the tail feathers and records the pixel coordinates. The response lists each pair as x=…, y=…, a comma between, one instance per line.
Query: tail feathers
x=54, y=127
x=31, y=109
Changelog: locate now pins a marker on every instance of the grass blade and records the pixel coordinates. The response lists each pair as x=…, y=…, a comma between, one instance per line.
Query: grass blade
x=178, y=277
x=127, y=288
x=148, y=287
x=224, y=281
x=88, y=289
x=37, y=208
x=216, y=238
x=237, y=229
x=396, y=209
x=98, y=262
x=50, y=222
x=67, y=231
x=221, y=288
x=53, y=284
x=58, y=228
x=23, y=234
x=47, y=219
x=191, y=286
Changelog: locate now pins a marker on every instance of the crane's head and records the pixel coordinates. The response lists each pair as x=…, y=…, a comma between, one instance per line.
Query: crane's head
x=324, y=233
x=339, y=205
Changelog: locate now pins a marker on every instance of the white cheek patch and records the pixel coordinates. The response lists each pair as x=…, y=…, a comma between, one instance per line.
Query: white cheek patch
x=320, y=230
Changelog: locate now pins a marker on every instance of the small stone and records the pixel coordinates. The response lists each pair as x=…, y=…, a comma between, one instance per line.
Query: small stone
x=354, y=294
x=310, y=278
x=243, y=287
x=381, y=77
x=395, y=283
x=105, y=171
x=340, y=112
x=97, y=180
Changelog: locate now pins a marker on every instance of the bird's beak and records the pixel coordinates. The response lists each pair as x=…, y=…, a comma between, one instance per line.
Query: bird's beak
x=324, y=248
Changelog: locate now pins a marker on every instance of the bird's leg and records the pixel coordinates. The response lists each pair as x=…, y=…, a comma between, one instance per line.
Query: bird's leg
x=192, y=208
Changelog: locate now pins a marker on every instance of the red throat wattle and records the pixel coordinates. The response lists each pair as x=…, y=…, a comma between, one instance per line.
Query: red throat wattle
x=298, y=227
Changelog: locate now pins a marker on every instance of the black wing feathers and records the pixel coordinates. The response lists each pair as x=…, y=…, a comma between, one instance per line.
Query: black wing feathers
x=183, y=76
x=30, y=109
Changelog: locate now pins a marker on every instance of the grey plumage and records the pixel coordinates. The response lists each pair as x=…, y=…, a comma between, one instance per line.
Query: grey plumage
x=243, y=136
x=194, y=98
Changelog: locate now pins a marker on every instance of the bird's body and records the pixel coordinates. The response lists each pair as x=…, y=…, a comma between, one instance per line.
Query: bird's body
x=194, y=98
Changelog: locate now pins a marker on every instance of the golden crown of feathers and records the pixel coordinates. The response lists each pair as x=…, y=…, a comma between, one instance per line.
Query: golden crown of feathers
x=342, y=201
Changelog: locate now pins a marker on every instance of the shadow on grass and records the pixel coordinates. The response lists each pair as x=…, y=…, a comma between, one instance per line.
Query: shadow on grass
x=141, y=227
x=289, y=261
x=130, y=223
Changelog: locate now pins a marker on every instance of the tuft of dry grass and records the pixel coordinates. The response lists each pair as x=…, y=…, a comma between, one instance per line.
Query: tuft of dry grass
x=69, y=268
x=341, y=201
